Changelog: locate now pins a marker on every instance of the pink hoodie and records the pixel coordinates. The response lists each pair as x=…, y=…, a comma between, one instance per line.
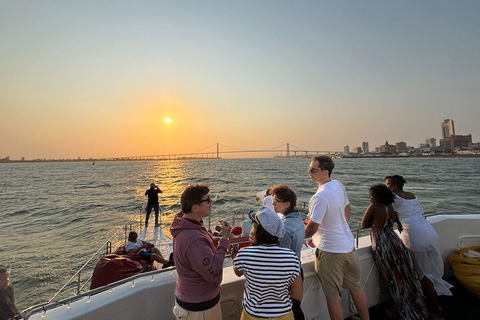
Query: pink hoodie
x=198, y=261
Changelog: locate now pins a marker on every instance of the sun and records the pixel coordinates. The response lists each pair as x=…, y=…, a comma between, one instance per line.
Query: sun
x=168, y=121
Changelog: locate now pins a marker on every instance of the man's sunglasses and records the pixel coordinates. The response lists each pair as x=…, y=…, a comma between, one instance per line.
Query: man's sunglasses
x=206, y=200
x=313, y=170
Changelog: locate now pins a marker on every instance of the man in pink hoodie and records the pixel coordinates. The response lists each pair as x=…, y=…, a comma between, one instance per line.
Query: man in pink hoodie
x=198, y=257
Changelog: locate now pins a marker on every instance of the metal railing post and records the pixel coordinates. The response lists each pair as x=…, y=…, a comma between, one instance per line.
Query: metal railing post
x=78, y=282
x=356, y=240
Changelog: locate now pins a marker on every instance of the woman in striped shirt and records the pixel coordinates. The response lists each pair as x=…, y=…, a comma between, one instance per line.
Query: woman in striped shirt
x=272, y=273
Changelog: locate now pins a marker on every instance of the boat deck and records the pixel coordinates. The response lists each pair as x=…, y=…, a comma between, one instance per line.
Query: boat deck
x=462, y=305
x=156, y=236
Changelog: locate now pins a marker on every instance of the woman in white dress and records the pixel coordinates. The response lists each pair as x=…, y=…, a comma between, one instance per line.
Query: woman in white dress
x=422, y=240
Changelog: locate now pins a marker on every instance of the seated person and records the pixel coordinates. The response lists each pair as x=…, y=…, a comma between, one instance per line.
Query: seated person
x=135, y=245
x=8, y=309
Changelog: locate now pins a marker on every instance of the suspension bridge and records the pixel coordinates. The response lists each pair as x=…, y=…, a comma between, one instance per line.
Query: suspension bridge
x=213, y=152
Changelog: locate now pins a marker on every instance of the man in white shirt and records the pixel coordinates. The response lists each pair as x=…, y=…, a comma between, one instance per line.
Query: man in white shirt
x=336, y=261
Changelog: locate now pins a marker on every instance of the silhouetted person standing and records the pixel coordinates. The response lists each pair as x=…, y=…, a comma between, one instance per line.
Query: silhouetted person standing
x=152, y=194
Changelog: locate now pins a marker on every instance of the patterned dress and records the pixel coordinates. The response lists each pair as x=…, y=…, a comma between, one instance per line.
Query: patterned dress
x=396, y=266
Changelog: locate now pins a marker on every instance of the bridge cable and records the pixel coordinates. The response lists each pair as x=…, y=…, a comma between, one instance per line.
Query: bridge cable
x=278, y=146
x=299, y=149
x=205, y=148
x=232, y=147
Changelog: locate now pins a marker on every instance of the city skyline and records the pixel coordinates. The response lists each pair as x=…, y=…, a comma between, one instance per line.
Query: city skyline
x=98, y=79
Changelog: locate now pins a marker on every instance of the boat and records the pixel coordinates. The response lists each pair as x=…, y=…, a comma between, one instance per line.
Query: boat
x=150, y=295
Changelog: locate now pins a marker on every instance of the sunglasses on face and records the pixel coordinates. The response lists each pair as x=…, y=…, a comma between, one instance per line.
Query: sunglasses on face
x=313, y=170
x=205, y=200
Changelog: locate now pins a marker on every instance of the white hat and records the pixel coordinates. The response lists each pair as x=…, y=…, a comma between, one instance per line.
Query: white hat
x=269, y=220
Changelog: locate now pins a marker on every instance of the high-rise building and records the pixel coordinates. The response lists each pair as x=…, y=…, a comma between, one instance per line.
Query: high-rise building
x=346, y=149
x=450, y=139
x=365, y=147
x=431, y=142
x=448, y=129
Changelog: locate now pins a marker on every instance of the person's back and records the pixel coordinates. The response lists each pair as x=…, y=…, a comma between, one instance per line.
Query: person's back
x=153, y=203
x=417, y=233
x=272, y=273
x=421, y=238
x=152, y=194
x=294, y=233
x=334, y=234
x=269, y=271
x=336, y=261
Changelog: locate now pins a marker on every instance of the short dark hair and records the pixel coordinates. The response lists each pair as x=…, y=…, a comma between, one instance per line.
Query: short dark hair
x=193, y=195
x=285, y=193
x=3, y=270
x=130, y=235
x=264, y=237
x=324, y=163
x=382, y=194
x=396, y=180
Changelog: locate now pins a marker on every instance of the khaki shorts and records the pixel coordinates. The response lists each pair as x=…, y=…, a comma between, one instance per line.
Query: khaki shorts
x=214, y=313
x=246, y=316
x=337, y=271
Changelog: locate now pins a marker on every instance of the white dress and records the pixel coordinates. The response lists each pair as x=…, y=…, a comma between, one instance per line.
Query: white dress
x=419, y=236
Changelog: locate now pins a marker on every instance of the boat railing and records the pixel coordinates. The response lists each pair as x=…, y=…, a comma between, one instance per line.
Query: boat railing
x=357, y=232
x=118, y=238
x=67, y=301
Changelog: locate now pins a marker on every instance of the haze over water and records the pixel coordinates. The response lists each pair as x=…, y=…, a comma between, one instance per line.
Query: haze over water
x=55, y=215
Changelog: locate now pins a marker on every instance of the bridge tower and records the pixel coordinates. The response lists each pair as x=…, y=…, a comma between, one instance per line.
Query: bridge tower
x=288, y=150
x=218, y=152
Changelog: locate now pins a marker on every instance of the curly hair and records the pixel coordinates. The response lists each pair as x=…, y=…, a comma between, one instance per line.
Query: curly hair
x=382, y=194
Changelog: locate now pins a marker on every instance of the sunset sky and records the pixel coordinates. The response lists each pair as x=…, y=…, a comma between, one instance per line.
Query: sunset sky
x=99, y=78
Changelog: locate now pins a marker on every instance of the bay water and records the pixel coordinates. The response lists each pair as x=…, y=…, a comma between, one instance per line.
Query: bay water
x=55, y=215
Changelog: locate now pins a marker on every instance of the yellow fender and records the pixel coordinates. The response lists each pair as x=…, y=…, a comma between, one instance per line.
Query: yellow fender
x=467, y=270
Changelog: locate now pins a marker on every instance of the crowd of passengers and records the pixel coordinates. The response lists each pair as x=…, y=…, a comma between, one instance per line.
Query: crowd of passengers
x=411, y=264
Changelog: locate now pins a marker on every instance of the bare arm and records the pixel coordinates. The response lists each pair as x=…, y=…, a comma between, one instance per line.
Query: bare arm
x=395, y=218
x=310, y=229
x=367, y=217
x=237, y=272
x=296, y=289
x=348, y=212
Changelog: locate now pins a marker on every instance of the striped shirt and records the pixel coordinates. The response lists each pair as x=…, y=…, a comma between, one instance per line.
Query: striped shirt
x=269, y=271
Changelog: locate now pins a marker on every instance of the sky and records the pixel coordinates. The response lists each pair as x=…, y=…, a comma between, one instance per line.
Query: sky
x=97, y=79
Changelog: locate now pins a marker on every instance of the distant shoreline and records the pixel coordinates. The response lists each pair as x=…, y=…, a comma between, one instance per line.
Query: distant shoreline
x=292, y=157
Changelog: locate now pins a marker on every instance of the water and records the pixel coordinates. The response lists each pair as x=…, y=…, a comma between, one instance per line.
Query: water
x=54, y=216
